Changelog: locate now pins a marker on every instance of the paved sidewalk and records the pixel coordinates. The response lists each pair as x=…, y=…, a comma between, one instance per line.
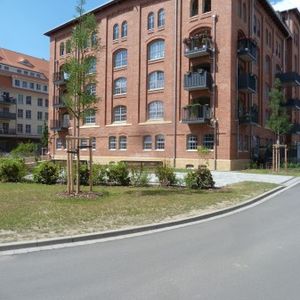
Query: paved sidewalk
x=226, y=178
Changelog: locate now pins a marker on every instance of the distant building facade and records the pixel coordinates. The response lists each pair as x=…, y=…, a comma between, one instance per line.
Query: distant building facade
x=174, y=75
x=23, y=98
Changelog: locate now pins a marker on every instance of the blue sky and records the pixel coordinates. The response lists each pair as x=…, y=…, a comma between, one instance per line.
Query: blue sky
x=23, y=22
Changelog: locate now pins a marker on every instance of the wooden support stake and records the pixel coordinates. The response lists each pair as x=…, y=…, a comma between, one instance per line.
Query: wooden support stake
x=286, y=158
x=90, y=165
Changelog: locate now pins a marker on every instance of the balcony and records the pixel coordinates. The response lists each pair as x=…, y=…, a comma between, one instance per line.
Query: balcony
x=197, y=46
x=247, y=83
x=58, y=102
x=58, y=125
x=60, y=78
x=289, y=79
x=194, y=81
x=247, y=50
x=196, y=114
x=7, y=131
x=5, y=115
x=292, y=104
x=249, y=118
x=5, y=99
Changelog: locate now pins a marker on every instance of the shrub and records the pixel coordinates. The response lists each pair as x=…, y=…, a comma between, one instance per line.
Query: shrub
x=99, y=174
x=25, y=150
x=118, y=174
x=166, y=175
x=199, y=179
x=46, y=173
x=138, y=177
x=84, y=175
x=11, y=170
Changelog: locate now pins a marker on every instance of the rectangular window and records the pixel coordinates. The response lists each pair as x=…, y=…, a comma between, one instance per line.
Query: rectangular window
x=45, y=88
x=17, y=82
x=31, y=85
x=192, y=142
x=94, y=143
x=90, y=118
x=28, y=114
x=39, y=129
x=28, y=128
x=20, y=128
x=208, y=141
x=40, y=115
x=20, y=113
x=40, y=102
x=24, y=84
x=112, y=143
x=28, y=100
x=46, y=103
x=20, y=99
x=59, y=144
x=38, y=87
x=123, y=143
x=147, y=142
x=84, y=144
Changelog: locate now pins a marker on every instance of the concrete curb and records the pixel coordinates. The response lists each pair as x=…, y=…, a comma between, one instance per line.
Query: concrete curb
x=117, y=233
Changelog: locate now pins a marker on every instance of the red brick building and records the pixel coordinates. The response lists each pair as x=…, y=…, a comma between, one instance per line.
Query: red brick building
x=176, y=74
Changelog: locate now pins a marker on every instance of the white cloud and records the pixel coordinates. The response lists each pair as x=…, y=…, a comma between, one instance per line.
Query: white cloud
x=286, y=4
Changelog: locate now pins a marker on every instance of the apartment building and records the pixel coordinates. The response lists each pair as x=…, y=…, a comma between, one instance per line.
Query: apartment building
x=23, y=98
x=174, y=75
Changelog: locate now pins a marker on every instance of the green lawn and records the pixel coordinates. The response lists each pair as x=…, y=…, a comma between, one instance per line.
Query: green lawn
x=31, y=211
x=289, y=172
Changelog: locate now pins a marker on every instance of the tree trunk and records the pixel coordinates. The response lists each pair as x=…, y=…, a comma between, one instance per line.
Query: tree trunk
x=78, y=158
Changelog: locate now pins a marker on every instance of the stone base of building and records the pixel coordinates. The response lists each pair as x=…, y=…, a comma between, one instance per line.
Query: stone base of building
x=180, y=163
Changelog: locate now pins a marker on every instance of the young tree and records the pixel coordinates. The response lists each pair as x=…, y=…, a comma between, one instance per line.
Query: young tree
x=45, y=136
x=279, y=121
x=80, y=72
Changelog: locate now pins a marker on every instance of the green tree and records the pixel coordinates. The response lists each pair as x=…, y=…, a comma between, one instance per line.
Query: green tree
x=279, y=121
x=45, y=136
x=81, y=74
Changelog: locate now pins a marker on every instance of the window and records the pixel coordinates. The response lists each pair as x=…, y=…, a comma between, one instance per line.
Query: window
x=120, y=114
x=38, y=87
x=28, y=128
x=20, y=99
x=90, y=117
x=192, y=142
x=151, y=21
x=161, y=18
x=147, y=143
x=40, y=102
x=156, y=80
x=124, y=29
x=120, y=59
x=92, y=65
x=94, y=41
x=28, y=114
x=156, y=50
x=112, y=143
x=20, y=113
x=120, y=86
x=40, y=115
x=156, y=110
x=31, y=85
x=94, y=143
x=194, y=8
x=84, y=144
x=123, y=143
x=206, y=6
x=20, y=128
x=46, y=116
x=24, y=84
x=62, y=49
x=91, y=89
x=46, y=103
x=116, y=32
x=39, y=129
x=17, y=82
x=59, y=144
x=208, y=141
x=160, y=142
x=28, y=100
x=68, y=46
x=45, y=88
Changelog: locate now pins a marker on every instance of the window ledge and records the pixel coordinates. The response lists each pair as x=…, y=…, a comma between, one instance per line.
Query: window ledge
x=124, y=39
x=118, y=124
x=123, y=150
x=89, y=126
x=160, y=150
x=160, y=90
x=157, y=60
x=120, y=96
x=120, y=68
x=116, y=41
x=155, y=122
x=194, y=18
x=150, y=31
x=147, y=150
x=161, y=28
x=191, y=150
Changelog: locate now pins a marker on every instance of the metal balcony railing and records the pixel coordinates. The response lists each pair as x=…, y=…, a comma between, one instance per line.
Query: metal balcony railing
x=197, y=46
x=58, y=102
x=60, y=78
x=289, y=79
x=197, y=81
x=247, y=83
x=59, y=125
x=5, y=99
x=196, y=114
x=250, y=117
x=247, y=49
x=7, y=115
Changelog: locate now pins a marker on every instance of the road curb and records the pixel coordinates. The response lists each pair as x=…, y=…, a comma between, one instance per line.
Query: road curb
x=123, y=232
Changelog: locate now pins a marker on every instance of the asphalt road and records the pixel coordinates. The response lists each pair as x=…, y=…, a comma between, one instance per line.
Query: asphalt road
x=253, y=255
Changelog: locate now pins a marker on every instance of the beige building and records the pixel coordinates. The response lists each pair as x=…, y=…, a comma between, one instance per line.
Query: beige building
x=23, y=98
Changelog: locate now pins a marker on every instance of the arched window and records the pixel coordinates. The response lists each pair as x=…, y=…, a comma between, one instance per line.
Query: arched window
x=116, y=32
x=91, y=89
x=120, y=58
x=124, y=29
x=120, y=113
x=161, y=18
x=92, y=62
x=206, y=6
x=155, y=110
x=268, y=66
x=151, y=21
x=68, y=46
x=62, y=49
x=191, y=142
x=156, y=80
x=123, y=143
x=120, y=86
x=160, y=142
x=194, y=8
x=94, y=39
x=156, y=50
x=147, y=142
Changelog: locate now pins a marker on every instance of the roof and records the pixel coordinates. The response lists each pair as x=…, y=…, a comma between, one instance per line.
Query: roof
x=24, y=61
x=293, y=10
x=265, y=3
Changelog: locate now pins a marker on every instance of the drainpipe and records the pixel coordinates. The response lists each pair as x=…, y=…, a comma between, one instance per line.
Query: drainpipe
x=214, y=119
x=175, y=85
